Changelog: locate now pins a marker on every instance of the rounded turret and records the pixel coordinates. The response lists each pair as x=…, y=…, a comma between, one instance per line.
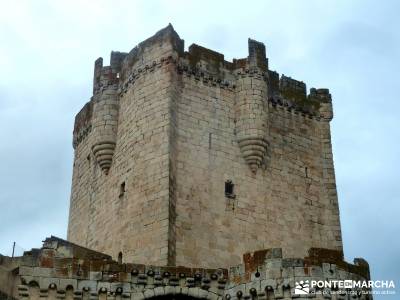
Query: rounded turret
x=251, y=108
x=106, y=110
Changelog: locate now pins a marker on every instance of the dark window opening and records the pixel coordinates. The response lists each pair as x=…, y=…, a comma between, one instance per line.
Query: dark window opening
x=120, y=258
x=229, y=189
x=122, y=190
x=306, y=171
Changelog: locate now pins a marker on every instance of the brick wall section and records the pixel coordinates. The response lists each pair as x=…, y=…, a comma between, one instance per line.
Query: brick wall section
x=181, y=116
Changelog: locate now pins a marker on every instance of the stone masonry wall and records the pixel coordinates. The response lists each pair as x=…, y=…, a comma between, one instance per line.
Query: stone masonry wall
x=127, y=209
x=290, y=202
x=286, y=204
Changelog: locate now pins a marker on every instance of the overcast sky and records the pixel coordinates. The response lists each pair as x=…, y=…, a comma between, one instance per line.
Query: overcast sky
x=47, y=52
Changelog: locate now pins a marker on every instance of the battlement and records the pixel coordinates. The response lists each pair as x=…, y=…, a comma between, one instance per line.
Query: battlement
x=202, y=58
x=322, y=95
x=83, y=123
x=317, y=257
x=61, y=268
x=292, y=94
x=205, y=62
x=105, y=76
x=148, y=51
x=292, y=89
x=257, y=57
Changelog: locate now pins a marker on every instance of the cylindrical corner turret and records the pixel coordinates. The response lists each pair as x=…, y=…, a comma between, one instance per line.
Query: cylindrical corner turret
x=105, y=110
x=251, y=111
x=251, y=120
x=105, y=122
x=251, y=107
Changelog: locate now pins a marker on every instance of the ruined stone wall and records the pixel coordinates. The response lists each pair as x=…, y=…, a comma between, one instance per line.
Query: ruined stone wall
x=61, y=270
x=166, y=130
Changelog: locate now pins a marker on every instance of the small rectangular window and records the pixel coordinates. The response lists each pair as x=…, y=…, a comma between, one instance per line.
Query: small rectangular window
x=122, y=190
x=229, y=189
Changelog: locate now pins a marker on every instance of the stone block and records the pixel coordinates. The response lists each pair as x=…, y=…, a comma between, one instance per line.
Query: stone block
x=44, y=282
x=213, y=296
x=90, y=284
x=64, y=283
x=159, y=291
x=170, y=290
x=95, y=275
x=148, y=293
x=43, y=272
x=25, y=271
x=137, y=296
x=101, y=285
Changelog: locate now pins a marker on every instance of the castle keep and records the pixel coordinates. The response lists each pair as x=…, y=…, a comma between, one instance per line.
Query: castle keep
x=194, y=177
x=167, y=131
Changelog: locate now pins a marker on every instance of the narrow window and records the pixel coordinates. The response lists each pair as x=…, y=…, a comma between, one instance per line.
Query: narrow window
x=229, y=189
x=306, y=171
x=120, y=257
x=122, y=190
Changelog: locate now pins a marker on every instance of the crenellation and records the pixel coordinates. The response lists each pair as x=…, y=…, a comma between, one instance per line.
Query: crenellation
x=292, y=89
x=164, y=43
x=82, y=124
x=198, y=55
x=273, y=84
x=209, y=66
x=116, y=60
x=257, y=57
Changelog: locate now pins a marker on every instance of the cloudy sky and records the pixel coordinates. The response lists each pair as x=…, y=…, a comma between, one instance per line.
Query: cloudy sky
x=47, y=51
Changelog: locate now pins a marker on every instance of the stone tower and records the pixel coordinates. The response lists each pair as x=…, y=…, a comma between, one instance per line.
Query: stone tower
x=184, y=158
